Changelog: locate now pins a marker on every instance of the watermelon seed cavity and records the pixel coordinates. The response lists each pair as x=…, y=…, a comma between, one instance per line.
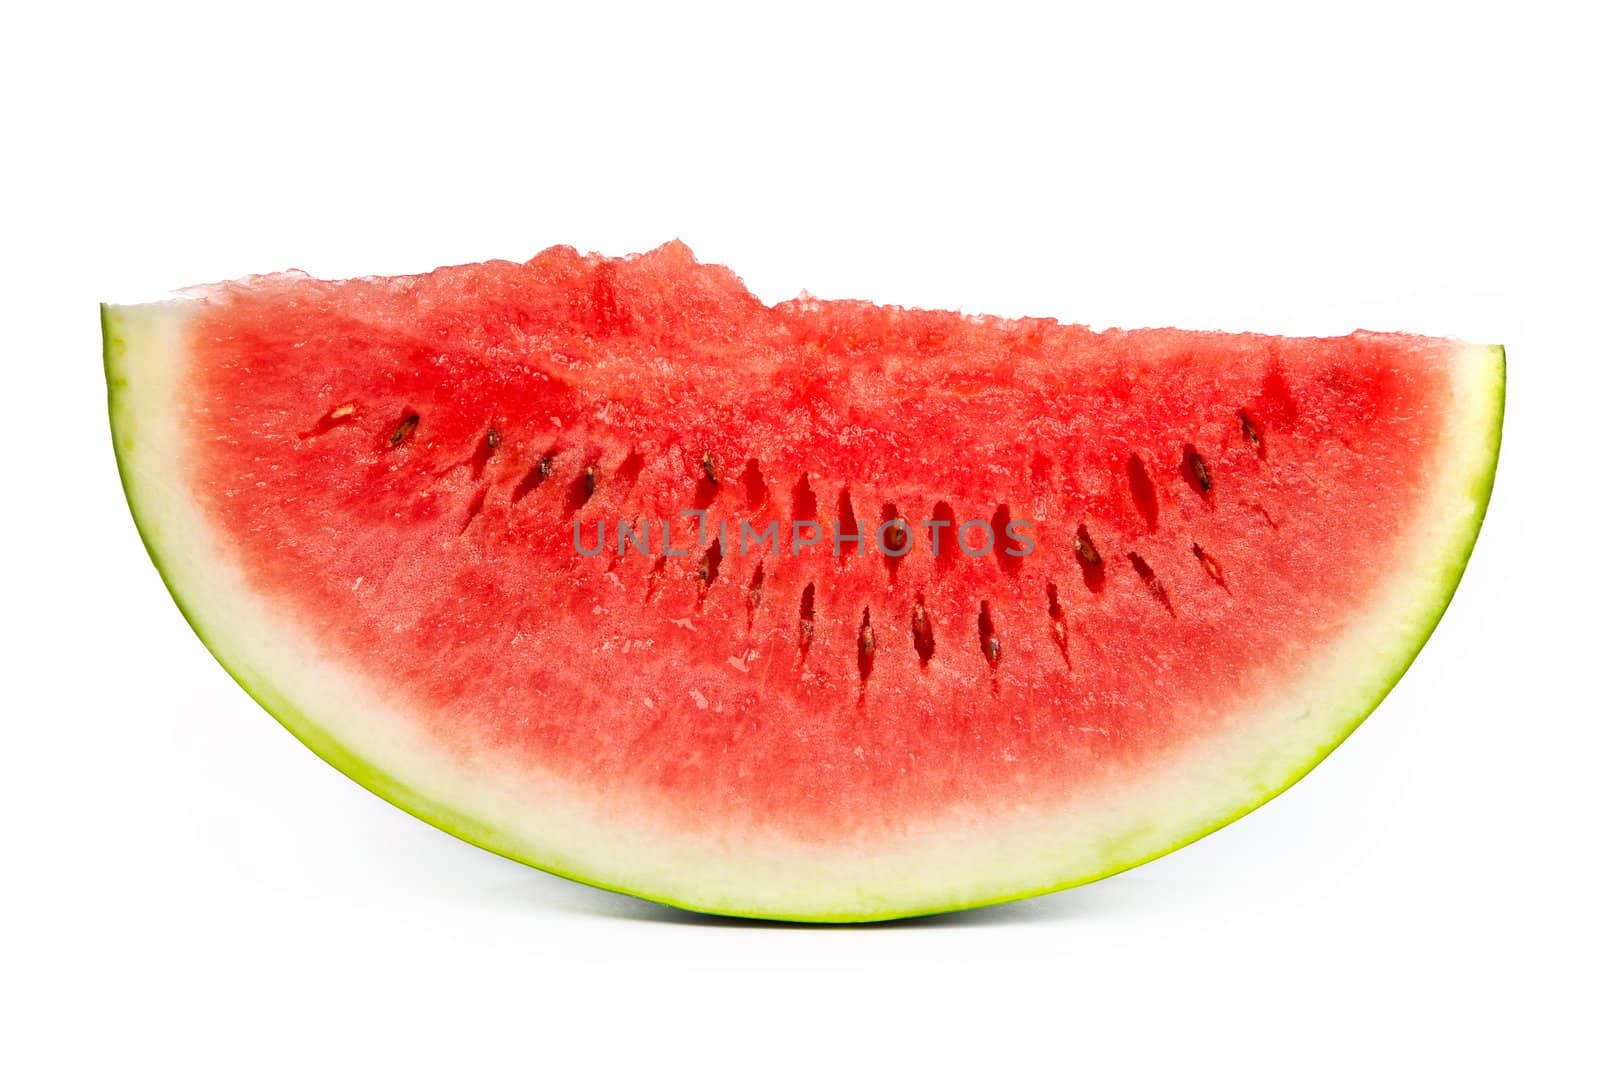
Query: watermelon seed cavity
x=894, y=537
x=710, y=564
x=1210, y=566
x=654, y=580
x=406, y=427
x=866, y=645
x=808, y=615
x=921, y=631
x=535, y=477
x=988, y=640
x=1094, y=568
x=1143, y=490
x=1085, y=546
x=1058, y=625
x=1252, y=436
x=1195, y=471
x=628, y=470
x=706, y=492
x=480, y=458
x=944, y=520
x=330, y=420
x=754, y=595
x=582, y=490
x=1148, y=575
x=847, y=527
x=474, y=507
x=1008, y=550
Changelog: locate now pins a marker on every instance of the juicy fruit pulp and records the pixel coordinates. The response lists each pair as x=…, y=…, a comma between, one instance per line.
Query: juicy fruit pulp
x=400, y=476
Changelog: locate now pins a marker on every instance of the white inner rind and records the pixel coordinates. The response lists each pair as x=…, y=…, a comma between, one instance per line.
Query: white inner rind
x=959, y=859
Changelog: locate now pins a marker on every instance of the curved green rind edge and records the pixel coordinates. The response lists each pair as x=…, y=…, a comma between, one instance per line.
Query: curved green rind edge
x=485, y=836
x=1450, y=580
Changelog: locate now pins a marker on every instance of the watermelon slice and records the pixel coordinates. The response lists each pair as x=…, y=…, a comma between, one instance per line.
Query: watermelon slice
x=607, y=566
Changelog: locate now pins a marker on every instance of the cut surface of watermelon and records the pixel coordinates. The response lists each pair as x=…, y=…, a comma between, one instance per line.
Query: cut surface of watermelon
x=607, y=566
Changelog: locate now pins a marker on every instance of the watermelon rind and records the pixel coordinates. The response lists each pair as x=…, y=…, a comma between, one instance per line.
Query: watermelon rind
x=966, y=860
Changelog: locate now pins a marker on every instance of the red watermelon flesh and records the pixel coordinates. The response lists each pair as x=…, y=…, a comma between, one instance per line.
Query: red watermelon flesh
x=1208, y=556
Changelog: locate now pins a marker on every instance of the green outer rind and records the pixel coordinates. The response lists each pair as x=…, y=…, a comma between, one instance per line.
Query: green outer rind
x=483, y=834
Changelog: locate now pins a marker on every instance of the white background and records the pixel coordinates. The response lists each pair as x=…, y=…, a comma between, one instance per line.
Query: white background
x=183, y=882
